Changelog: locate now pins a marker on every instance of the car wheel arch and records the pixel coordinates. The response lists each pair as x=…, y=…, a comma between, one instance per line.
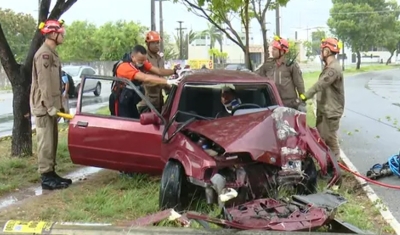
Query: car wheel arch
x=183, y=160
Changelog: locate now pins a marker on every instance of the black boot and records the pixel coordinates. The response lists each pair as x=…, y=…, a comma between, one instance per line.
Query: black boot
x=63, y=180
x=49, y=182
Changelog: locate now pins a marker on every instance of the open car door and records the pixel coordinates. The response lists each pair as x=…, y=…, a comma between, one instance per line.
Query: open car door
x=95, y=138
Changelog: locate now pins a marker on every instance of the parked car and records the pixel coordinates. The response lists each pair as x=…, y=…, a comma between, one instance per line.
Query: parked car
x=77, y=72
x=260, y=148
x=238, y=67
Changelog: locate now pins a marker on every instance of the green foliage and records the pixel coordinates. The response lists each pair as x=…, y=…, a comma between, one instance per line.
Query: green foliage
x=217, y=53
x=85, y=41
x=313, y=47
x=187, y=39
x=361, y=24
x=18, y=29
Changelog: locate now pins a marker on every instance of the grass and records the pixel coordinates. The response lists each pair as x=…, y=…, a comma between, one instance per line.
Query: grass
x=17, y=173
x=110, y=197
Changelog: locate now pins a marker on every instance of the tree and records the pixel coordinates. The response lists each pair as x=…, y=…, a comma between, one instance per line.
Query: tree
x=117, y=38
x=80, y=44
x=259, y=10
x=219, y=13
x=391, y=40
x=20, y=76
x=18, y=29
x=215, y=35
x=217, y=54
x=187, y=39
x=358, y=23
x=170, y=52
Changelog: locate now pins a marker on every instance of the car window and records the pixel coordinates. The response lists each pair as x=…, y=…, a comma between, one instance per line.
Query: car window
x=205, y=99
x=100, y=105
x=90, y=71
x=72, y=70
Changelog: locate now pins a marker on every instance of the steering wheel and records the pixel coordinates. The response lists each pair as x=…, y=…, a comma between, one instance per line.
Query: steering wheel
x=244, y=106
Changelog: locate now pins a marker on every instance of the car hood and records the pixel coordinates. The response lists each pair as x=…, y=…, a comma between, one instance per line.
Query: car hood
x=278, y=132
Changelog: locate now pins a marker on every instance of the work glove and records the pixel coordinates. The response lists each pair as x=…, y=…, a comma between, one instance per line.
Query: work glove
x=52, y=111
x=302, y=107
x=173, y=82
x=303, y=97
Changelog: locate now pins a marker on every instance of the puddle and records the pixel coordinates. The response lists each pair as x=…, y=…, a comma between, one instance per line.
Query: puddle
x=24, y=194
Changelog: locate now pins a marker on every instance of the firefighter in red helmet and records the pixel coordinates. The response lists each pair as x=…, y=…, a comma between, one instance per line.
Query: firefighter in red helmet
x=330, y=94
x=154, y=92
x=46, y=101
x=286, y=74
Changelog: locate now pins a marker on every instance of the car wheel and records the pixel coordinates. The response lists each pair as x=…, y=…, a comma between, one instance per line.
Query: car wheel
x=308, y=184
x=97, y=91
x=77, y=91
x=173, y=186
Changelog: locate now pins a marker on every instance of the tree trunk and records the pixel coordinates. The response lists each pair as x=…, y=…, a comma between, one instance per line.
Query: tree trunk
x=265, y=42
x=389, y=60
x=358, y=65
x=21, y=144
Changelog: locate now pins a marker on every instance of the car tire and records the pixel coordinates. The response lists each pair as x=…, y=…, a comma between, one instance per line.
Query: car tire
x=173, y=187
x=97, y=90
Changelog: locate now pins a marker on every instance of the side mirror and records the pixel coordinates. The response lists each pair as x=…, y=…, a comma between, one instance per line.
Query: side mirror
x=149, y=119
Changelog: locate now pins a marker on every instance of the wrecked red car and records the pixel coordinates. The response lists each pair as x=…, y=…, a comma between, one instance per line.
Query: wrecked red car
x=259, y=148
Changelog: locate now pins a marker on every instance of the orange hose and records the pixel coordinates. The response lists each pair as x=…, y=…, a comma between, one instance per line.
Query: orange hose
x=368, y=179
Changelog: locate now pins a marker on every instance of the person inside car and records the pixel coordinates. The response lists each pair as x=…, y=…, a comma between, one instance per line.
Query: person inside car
x=229, y=100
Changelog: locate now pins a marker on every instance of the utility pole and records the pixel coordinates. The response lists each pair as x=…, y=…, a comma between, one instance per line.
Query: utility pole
x=161, y=26
x=277, y=21
x=180, y=39
x=39, y=2
x=153, y=15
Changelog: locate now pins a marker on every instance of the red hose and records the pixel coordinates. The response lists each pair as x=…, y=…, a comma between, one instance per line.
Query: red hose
x=368, y=179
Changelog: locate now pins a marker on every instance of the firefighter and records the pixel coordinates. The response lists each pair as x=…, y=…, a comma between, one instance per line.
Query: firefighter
x=330, y=95
x=286, y=74
x=136, y=70
x=46, y=101
x=153, y=92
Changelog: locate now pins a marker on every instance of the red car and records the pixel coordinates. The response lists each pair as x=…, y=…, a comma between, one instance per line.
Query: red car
x=257, y=149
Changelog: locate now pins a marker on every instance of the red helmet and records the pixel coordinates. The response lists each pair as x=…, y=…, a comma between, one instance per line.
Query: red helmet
x=332, y=44
x=152, y=36
x=281, y=44
x=52, y=26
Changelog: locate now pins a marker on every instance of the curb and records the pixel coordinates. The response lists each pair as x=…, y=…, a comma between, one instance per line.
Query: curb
x=372, y=196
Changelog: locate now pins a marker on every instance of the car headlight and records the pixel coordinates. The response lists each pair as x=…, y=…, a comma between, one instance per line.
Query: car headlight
x=292, y=165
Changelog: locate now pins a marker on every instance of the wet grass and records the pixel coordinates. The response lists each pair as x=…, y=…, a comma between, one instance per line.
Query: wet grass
x=19, y=172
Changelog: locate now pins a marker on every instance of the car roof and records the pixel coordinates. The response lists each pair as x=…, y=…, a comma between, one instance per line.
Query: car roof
x=79, y=66
x=223, y=76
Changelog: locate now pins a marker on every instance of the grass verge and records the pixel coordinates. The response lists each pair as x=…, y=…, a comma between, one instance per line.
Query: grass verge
x=110, y=197
x=17, y=173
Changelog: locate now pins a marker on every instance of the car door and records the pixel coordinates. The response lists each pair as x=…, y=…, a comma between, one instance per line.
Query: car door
x=113, y=142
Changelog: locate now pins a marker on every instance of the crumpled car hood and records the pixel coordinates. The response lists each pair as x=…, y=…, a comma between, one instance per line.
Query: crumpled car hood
x=279, y=132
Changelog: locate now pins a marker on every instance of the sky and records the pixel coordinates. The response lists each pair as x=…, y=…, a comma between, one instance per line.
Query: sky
x=298, y=15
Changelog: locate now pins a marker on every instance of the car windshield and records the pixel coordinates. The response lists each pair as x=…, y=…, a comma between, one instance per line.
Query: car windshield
x=205, y=99
x=72, y=71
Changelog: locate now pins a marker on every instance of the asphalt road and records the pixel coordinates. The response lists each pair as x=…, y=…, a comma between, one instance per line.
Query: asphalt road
x=369, y=130
x=90, y=103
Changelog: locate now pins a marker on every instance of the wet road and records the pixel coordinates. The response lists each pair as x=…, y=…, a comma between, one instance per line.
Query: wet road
x=370, y=129
x=90, y=103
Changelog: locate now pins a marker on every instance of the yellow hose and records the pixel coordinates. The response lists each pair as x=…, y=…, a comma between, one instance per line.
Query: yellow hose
x=65, y=115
